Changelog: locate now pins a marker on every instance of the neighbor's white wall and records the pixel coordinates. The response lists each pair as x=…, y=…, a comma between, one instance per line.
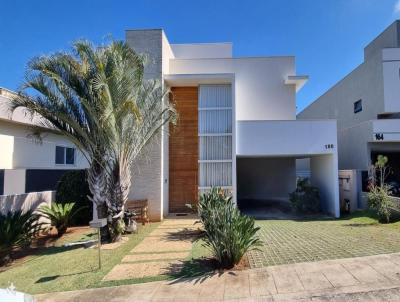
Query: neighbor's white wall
x=391, y=79
x=324, y=175
x=352, y=142
x=349, y=182
x=14, y=181
x=28, y=154
x=6, y=151
x=26, y=202
x=202, y=50
x=260, y=91
x=365, y=83
x=266, y=178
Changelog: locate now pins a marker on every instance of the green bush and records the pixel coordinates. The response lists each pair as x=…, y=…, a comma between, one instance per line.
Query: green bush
x=59, y=215
x=379, y=200
x=306, y=198
x=17, y=230
x=73, y=187
x=228, y=234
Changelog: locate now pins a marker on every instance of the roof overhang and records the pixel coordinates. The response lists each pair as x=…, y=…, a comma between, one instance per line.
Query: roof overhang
x=298, y=80
x=198, y=79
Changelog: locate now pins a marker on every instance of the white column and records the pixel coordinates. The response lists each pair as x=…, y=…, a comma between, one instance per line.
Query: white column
x=324, y=175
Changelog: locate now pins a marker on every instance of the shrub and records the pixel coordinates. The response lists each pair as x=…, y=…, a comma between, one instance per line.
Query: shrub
x=228, y=234
x=17, y=230
x=306, y=198
x=73, y=187
x=59, y=215
x=379, y=199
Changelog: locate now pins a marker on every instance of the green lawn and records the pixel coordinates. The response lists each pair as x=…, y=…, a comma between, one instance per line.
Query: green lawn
x=60, y=269
x=284, y=241
x=293, y=241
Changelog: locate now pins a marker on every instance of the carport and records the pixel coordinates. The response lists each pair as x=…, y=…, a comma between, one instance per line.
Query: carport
x=266, y=166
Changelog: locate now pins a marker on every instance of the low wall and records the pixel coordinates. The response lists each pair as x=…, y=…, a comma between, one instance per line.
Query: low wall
x=25, y=202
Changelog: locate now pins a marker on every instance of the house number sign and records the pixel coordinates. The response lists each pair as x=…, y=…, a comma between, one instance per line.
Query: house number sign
x=379, y=136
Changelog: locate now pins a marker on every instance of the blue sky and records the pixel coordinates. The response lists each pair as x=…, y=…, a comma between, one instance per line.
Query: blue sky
x=326, y=36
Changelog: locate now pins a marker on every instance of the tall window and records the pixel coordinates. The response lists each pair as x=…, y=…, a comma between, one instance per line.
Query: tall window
x=215, y=136
x=358, y=106
x=65, y=155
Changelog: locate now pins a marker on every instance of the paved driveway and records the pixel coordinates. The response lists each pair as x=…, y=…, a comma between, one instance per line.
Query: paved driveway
x=374, y=278
x=291, y=241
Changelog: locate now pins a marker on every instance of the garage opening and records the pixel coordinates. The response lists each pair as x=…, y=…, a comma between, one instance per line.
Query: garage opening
x=264, y=184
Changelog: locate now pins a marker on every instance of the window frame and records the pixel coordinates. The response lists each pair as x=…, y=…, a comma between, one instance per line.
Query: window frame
x=356, y=108
x=64, y=148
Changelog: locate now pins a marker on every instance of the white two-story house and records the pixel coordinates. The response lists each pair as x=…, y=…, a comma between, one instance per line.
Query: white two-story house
x=237, y=128
x=26, y=163
x=366, y=104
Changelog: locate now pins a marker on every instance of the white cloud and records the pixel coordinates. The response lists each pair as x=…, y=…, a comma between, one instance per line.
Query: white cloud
x=396, y=8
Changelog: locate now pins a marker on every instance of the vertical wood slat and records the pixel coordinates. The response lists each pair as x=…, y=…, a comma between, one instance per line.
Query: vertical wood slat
x=183, y=150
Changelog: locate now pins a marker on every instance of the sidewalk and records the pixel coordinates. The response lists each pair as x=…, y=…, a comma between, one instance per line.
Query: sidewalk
x=373, y=278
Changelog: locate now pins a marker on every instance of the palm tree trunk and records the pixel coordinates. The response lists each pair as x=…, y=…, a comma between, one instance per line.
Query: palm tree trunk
x=118, y=193
x=98, y=187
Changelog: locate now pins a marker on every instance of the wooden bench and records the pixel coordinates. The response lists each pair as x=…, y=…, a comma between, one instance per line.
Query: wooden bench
x=139, y=208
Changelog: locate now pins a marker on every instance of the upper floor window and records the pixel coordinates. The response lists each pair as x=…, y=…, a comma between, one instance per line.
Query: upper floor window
x=358, y=106
x=65, y=155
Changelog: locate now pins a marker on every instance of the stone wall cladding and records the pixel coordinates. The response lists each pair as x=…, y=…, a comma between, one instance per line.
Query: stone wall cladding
x=147, y=175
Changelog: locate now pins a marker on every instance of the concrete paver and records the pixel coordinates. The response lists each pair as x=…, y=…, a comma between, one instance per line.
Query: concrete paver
x=160, y=253
x=294, y=241
x=332, y=280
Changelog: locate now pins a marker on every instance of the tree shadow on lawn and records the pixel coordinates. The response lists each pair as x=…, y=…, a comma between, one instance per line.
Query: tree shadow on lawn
x=54, y=277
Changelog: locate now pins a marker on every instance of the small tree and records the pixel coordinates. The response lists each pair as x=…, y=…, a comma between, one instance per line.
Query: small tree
x=379, y=198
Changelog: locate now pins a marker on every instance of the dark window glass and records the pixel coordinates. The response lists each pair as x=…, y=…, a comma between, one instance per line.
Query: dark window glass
x=358, y=106
x=70, y=158
x=60, y=155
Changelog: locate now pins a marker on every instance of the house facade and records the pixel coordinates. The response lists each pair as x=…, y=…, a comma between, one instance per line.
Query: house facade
x=366, y=104
x=237, y=128
x=26, y=164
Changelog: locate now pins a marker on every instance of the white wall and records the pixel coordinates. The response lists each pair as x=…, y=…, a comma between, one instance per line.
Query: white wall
x=6, y=151
x=260, y=90
x=280, y=138
x=391, y=79
x=265, y=178
x=26, y=153
x=349, y=186
x=148, y=174
x=14, y=181
x=202, y=50
x=324, y=175
x=26, y=202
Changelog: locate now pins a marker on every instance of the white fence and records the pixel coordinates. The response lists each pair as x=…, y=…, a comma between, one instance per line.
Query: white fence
x=25, y=202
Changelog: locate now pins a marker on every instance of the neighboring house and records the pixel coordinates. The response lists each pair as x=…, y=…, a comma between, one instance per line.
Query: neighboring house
x=366, y=104
x=237, y=128
x=28, y=165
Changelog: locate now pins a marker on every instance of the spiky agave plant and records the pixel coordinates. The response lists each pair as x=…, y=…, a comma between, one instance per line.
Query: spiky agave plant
x=59, y=215
x=17, y=229
x=228, y=233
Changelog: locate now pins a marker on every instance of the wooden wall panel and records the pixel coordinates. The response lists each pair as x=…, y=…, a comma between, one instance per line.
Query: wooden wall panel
x=183, y=150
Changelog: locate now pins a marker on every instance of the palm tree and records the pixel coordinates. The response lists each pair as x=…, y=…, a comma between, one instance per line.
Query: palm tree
x=98, y=99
